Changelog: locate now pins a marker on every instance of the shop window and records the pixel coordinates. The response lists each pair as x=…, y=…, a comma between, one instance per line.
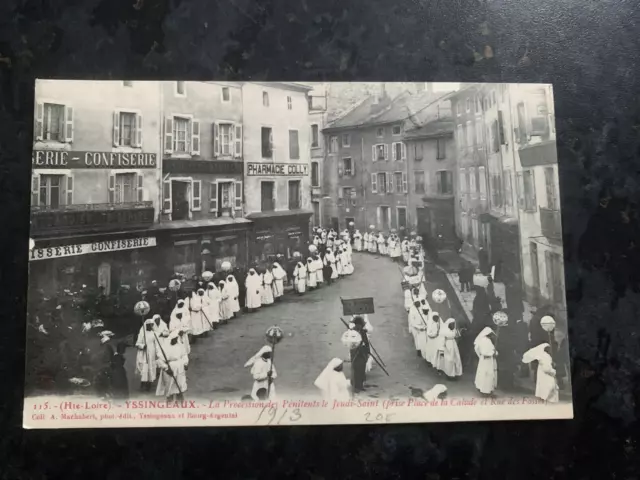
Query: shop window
x=267, y=142
x=315, y=174
x=347, y=166
x=294, y=194
x=294, y=147
x=444, y=180
x=267, y=198
x=315, y=135
x=420, y=181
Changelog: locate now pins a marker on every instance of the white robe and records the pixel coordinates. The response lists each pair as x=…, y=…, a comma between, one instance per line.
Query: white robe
x=234, y=294
x=347, y=267
x=433, y=331
x=177, y=361
x=300, y=278
x=199, y=323
x=226, y=302
x=487, y=373
x=418, y=330
x=259, y=372
x=335, y=386
x=279, y=276
x=382, y=248
x=404, y=246
x=180, y=325
x=147, y=358
x=330, y=260
x=448, y=360
x=546, y=385
x=339, y=264
x=267, y=290
x=312, y=281
x=213, y=310
x=373, y=243
x=254, y=287
x=396, y=249
x=319, y=273
x=357, y=242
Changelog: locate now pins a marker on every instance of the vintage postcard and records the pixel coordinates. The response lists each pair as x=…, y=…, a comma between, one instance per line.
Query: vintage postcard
x=272, y=253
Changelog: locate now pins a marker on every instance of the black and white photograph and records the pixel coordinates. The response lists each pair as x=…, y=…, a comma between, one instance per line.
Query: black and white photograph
x=217, y=253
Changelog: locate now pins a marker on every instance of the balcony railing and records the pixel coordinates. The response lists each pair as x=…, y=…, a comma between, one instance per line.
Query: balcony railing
x=550, y=223
x=90, y=217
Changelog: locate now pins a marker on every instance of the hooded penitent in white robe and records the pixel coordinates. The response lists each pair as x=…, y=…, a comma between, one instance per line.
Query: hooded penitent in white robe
x=254, y=287
x=146, y=358
x=178, y=325
x=333, y=384
x=312, y=281
x=330, y=259
x=365, y=241
x=176, y=360
x=418, y=328
x=226, y=301
x=199, y=322
x=279, y=278
x=433, y=331
x=214, y=297
x=234, y=293
x=182, y=305
x=260, y=369
x=396, y=249
x=317, y=263
x=347, y=267
x=357, y=241
x=300, y=277
x=373, y=243
x=487, y=373
x=339, y=264
x=546, y=384
x=404, y=247
x=382, y=248
x=448, y=360
x=267, y=288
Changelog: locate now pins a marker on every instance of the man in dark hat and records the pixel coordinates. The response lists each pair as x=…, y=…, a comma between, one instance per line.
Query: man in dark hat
x=359, y=356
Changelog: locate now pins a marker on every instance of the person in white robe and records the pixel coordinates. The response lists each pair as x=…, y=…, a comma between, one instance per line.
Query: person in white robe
x=349, y=250
x=300, y=278
x=146, y=357
x=418, y=329
x=486, y=379
x=234, y=292
x=404, y=246
x=263, y=372
x=448, y=361
x=333, y=383
x=214, y=297
x=433, y=332
x=339, y=264
x=312, y=279
x=357, y=241
x=161, y=329
x=373, y=242
x=347, y=267
x=267, y=287
x=396, y=250
x=279, y=279
x=226, y=302
x=173, y=363
x=365, y=241
x=382, y=248
x=253, y=285
x=198, y=304
x=330, y=259
x=317, y=265
x=176, y=324
x=546, y=383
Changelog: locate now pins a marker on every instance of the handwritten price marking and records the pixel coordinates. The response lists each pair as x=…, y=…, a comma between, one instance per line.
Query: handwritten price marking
x=378, y=417
x=272, y=414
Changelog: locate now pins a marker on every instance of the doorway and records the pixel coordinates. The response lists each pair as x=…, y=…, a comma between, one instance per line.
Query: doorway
x=348, y=220
x=385, y=218
x=180, y=200
x=402, y=218
x=335, y=224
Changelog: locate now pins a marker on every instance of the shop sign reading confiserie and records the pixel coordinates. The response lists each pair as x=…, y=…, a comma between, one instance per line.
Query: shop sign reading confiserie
x=63, y=159
x=278, y=169
x=102, y=246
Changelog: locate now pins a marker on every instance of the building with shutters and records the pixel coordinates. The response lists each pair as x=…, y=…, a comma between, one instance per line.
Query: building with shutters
x=95, y=178
x=317, y=99
x=366, y=171
x=277, y=174
x=202, y=220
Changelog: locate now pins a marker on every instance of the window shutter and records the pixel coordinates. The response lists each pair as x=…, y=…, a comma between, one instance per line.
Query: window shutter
x=386, y=151
x=404, y=151
x=216, y=139
x=389, y=182
x=238, y=140
x=393, y=152
x=238, y=195
x=166, y=196
x=69, y=191
x=374, y=183
x=340, y=192
x=520, y=193
x=139, y=187
x=112, y=188
x=232, y=139
x=195, y=137
x=213, y=197
x=534, y=201
x=373, y=153
x=139, y=130
x=38, y=129
x=35, y=190
x=68, y=125
x=501, y=128
x=168, y=135
x=405, y=183
x=196, y=195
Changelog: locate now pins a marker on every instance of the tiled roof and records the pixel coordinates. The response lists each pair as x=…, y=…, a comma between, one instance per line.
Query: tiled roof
x=435, y=128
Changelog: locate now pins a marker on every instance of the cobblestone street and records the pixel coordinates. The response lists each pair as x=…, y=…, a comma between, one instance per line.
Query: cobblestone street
x=312, y=337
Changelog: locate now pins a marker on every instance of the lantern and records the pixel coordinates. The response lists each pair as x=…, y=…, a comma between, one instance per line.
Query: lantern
x=174, y=285
x=548, y=323
x=351, y=224
x=439, y=296
x=372, y=227
x=141, y=308
x=500, y=318
x=351, y=339
x=274, y=334
x=312, y=249
x=296, y=255
x=207, y=276
x=226, y=266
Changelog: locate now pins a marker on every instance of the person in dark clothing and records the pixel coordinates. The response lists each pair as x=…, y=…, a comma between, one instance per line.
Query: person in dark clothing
x=466, y=276
x=481, y=314
x=483, y=261
x=513, y=298
x=359, y=357
x=495, y=303
x=119, y=382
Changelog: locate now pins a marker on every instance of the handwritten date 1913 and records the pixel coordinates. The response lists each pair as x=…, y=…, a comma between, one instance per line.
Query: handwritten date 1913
x=277, y=417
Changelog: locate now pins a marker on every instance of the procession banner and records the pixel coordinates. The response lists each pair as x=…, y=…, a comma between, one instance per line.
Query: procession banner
x=148, y=306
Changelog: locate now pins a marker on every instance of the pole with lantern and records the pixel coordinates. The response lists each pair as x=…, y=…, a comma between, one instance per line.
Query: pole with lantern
x=273, y=336
x=500, y=319
x=548, y=324
x=141, y=309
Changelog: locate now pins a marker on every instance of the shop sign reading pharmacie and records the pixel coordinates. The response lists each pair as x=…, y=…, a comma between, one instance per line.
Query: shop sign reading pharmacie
x=278, y=169
x=64, y=159
x=103, y=246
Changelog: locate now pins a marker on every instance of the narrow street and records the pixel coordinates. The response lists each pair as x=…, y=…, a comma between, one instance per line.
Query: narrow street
x=312, y=328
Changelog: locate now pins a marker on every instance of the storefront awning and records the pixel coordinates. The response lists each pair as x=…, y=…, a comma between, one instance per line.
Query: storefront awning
x=203, y=223
x=280, y=213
